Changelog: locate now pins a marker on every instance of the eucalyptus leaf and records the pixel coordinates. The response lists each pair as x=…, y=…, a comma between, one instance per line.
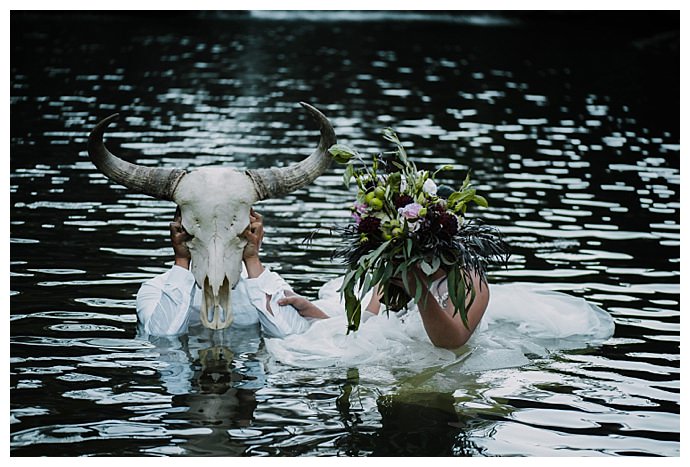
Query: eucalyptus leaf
x=426, y=268
x=405, y=278
x=435, y=264
x=353, y=309
x=461, y=302
x=418, y=288
x=452, y=284
x=349, y=173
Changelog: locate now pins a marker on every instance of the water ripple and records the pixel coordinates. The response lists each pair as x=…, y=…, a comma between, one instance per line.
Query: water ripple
x=103, y=430
x=584, y=185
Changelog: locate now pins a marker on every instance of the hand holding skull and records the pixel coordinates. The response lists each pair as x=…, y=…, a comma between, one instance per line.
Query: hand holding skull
x=179, y=238
x=254, y=234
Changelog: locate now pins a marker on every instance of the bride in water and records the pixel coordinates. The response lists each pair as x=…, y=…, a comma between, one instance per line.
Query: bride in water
x=504, y=322
x=415, y=294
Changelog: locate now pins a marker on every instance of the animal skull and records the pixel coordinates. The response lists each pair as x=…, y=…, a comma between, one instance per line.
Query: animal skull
x=214, y=203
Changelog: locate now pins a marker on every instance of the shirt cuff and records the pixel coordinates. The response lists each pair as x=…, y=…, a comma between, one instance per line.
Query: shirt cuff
x=366, y=315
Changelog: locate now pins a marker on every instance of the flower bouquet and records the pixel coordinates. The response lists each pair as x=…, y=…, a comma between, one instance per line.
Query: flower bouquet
x=404, y=223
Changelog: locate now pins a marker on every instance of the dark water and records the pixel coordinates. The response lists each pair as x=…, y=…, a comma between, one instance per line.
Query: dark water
x=570, y=128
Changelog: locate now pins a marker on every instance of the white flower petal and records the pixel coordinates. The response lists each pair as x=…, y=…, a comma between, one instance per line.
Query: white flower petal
x=430, y=187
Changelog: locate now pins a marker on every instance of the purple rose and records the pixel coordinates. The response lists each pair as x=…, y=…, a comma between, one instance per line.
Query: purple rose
x=411, y=211
x=360, y=208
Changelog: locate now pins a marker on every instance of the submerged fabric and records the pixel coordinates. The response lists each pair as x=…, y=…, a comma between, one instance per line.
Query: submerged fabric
x=521, y=320
x=171, y=302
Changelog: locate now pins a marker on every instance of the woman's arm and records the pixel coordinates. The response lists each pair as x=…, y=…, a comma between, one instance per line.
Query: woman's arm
x=445, y=327
x=254, y=234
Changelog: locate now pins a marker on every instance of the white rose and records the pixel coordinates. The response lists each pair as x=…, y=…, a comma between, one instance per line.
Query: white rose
x=403, y=184
x=430, y=187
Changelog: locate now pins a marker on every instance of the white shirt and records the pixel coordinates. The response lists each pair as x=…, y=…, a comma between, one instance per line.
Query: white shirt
x=169, y=303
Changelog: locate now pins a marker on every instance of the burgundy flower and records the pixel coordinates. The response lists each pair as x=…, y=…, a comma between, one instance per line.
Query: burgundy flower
x=369, y=225
x=401, y=201
x=448, y=223
x=437, y=208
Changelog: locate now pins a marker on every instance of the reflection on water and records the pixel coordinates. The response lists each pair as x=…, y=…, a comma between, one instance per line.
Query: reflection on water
x=582, y=177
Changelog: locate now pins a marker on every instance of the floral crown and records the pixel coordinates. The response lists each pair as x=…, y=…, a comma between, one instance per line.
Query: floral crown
x=403, y=221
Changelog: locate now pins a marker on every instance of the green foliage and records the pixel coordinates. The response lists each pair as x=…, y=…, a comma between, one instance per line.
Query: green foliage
x=404, y=233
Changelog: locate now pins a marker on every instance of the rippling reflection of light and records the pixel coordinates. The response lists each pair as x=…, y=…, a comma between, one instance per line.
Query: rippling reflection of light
x=587, y=196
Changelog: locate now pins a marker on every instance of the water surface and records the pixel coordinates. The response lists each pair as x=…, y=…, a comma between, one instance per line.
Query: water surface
x=572, y=133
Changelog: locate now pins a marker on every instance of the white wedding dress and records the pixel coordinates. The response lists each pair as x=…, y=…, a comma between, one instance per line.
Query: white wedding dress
x=520, y=321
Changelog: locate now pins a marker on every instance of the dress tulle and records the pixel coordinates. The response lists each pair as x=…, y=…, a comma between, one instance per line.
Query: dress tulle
x=521, y=320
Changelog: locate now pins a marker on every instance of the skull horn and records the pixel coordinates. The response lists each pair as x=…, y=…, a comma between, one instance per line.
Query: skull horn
x=274, y=182
x=153, y=181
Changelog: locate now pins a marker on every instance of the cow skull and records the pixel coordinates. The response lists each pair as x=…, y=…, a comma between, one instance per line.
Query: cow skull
x=214, y=203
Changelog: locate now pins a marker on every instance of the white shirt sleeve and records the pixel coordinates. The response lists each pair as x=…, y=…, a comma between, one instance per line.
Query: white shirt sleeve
x=280, y=321
x=164, y=303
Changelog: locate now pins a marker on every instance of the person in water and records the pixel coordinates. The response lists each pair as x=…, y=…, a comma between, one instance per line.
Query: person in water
x=169, y=303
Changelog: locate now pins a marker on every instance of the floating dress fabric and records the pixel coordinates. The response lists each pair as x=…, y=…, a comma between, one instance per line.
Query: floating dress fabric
x=520, y=320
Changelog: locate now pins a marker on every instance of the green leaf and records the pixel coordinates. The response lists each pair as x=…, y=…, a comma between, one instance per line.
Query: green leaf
x=473, y=295
x=348, y=279
x=366, y=287
x=374, y=255
x=466, y=182
x=453, y=284
x=360, y=275
x=418, y=288
x=426, y=268
x=394, y=181
x=353, y=308
x=459, y=199
x=406, y=280
x=466, y=195
x=387, y=273
x=341, y=153
x=349, y=173
x=435, y=264
x=389, y=135
x=408, y=248
x=377, y=275
x=454, y=197
x=481, y=201
x=441, y=169
x=461, y=300
x=430, y=268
